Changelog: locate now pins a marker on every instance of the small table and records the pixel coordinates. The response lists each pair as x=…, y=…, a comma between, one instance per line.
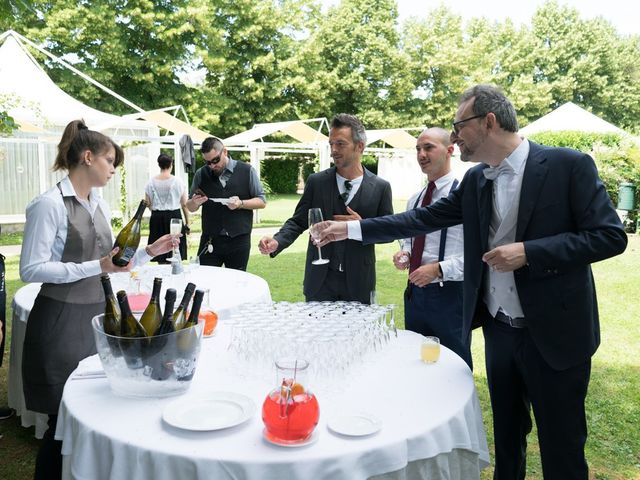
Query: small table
x=431, y=425
x=229, y=288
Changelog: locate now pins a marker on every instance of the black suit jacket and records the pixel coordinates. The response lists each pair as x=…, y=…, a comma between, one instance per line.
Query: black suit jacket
x=566, y=221
x=372, y=199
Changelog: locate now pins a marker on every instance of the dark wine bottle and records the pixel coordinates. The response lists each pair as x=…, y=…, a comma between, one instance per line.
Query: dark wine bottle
x=192, y=321
x=152, y=315
x=129, y=238
x=112, y=314
x=180, y=315
x=166, y=325
x=131, y=333
x=129, y=326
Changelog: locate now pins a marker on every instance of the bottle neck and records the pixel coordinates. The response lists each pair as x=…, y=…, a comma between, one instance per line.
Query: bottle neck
x=140, y=210
x=155, y=293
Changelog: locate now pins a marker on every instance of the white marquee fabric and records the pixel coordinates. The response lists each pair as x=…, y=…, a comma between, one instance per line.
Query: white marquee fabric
x=570, y=117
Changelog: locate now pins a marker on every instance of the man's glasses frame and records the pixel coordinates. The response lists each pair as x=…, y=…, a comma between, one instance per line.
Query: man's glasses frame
x=215, y=161
x=457, y=126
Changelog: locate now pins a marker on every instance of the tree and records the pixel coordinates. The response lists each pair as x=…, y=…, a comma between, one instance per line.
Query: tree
x=353, y=64
x=135, y=47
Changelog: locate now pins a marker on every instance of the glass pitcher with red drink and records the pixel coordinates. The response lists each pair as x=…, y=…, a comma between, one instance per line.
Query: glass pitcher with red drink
x=290, y=412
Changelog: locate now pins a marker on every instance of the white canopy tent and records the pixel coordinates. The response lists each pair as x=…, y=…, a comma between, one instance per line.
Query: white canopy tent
x=42, y=109
x=570, y=117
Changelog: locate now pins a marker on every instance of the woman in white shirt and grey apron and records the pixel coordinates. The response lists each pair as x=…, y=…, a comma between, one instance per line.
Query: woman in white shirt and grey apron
x=67, y=246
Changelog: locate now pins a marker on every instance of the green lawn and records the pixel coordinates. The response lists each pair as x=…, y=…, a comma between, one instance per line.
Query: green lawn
x=613, y=403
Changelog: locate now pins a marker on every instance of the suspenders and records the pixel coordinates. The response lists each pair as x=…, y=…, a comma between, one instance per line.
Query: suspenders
x=443, y=232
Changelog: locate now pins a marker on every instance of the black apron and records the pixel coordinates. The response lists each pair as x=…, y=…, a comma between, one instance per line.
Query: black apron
x=59, y=332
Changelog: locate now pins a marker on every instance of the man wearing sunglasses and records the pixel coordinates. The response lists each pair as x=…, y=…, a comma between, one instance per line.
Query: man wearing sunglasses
x=534, y=219
x=228, y=191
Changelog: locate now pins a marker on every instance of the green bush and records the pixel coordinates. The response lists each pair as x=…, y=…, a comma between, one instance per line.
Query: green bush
x=583, y=141
x=281, y=174
x=309, y=166
x=371, y=162
x=617, y=158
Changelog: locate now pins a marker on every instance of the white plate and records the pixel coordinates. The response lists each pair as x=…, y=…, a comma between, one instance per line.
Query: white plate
x=313, y=438
x=355, y=424
x=206, y=412
x=223, y=201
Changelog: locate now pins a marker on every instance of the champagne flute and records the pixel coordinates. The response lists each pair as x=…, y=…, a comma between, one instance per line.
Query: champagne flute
x=175, y=226
x=315, y=216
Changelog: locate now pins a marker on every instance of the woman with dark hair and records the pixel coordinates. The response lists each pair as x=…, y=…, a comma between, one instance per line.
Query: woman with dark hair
x=166, y=196
x=67, y=246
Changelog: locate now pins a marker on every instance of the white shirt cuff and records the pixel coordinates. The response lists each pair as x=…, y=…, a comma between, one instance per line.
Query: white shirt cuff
x=354, y=231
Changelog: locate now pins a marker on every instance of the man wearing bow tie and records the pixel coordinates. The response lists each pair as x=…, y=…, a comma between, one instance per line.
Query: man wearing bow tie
x=433, y=297
x=345, y=191
x=534, y=218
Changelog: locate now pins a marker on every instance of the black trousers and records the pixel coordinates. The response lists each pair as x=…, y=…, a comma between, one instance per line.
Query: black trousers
x=232, y=252
x=520, y=380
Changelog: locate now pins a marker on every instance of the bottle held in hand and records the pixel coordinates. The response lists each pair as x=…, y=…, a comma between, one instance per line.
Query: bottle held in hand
x=152, y=315
x=129, y=238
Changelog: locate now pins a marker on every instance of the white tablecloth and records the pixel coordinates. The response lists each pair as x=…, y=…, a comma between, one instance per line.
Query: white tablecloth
x=229, y=288
x=431, y=417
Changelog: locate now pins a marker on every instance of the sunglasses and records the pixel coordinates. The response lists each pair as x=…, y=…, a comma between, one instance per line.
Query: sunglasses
x=214, y=161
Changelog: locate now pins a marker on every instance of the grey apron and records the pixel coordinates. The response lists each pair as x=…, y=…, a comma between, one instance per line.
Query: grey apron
x=59, y=332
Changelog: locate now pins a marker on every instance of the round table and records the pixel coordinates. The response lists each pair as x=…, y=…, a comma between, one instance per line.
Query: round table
x=228, y=289
x=431, y=424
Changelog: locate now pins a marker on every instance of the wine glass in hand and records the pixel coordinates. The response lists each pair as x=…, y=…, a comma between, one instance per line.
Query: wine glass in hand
x=315, y=216
x=175, y=227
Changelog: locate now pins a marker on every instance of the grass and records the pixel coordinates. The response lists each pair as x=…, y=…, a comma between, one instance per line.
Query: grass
x=613, y=403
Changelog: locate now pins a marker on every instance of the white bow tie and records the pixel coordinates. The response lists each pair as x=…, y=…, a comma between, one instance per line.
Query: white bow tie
x=492, y=173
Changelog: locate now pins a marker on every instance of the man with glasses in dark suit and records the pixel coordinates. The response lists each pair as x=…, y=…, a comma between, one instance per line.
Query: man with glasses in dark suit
x=228, y=191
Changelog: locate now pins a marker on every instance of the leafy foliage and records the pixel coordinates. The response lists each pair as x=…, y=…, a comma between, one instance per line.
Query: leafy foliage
x=281, y=174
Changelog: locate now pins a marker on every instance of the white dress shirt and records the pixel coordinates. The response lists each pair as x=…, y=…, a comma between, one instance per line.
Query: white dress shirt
x=45, y=234
x=507, y=186
x=355, y=185
x=453, y=264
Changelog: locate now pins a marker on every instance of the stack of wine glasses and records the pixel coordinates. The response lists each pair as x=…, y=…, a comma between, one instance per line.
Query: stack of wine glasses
x=333, y=336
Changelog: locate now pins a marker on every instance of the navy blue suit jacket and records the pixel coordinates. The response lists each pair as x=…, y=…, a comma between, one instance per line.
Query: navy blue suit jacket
x=566, y=221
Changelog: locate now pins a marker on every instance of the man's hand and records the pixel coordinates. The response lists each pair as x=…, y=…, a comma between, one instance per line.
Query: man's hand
x=234, y=203
x=330, y=231
x=195, y=201
x=506, y=258
x=267, y=245
x=425, y=274
x=401, y=260
x=353, y=215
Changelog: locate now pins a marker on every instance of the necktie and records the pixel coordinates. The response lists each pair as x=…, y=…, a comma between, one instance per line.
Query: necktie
x=418, y=242
x=492, y=173
x=347, y=190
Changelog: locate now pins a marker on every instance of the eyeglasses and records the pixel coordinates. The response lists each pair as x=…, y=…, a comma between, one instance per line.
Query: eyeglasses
x=457, y=126
x=214, y=161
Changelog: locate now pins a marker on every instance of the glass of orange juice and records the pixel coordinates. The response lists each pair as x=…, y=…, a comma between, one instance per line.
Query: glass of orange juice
x=207, y=314
x=430, y=349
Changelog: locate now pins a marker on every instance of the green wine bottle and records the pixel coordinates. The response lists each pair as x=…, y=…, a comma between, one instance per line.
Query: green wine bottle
x=192, y=321
x=180, y=315
x=152, y=315
x=129, y=326
x=166, y=325
x=129, y=238
x=112, y=314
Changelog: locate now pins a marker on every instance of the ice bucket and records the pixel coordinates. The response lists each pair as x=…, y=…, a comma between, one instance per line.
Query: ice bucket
x=159, y=366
